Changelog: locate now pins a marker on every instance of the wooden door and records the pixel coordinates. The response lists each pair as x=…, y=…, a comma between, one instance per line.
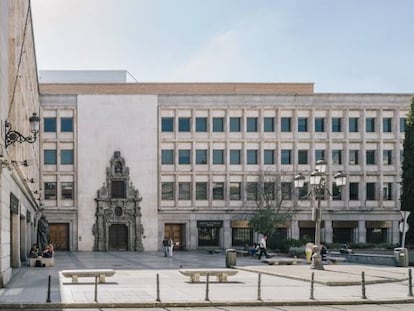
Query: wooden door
x=118, y=237
x=175, y=231
x=59, y=236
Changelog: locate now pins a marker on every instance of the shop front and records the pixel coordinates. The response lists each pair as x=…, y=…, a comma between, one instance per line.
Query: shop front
x=209, y=233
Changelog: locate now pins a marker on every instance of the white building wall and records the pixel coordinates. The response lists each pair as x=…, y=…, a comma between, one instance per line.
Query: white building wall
x=125, y=123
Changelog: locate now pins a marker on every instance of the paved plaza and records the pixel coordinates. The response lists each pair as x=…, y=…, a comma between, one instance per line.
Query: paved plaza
x=135, y=283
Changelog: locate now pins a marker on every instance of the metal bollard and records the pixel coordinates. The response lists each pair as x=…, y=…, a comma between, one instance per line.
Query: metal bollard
x=96, y=288
x=312, y=284
x=158, y=287
x=410, y=283
x=259, y=285
x=207, y=283
x=48, y=291
x=364, y=296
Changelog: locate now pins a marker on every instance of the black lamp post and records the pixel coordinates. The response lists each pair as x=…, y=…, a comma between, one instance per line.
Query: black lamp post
x=317, y=180
x=12, y=136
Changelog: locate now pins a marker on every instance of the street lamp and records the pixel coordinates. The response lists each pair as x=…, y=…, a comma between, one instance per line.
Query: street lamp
x=13, y=136
x=317, y=180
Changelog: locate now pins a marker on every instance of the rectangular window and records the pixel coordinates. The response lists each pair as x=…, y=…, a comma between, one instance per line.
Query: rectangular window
x=353, y=191
x=370, y=125
x=251, y=191
x=387, y=191
x=286, y=156
x=303, y=192
x=302, y=124
x=370, y=157
x=66, y=190
x=49, y=124
x=184, y=157
x=235, y=157
x=50, y=156
x=336, y=192
x=218, y=124
x=167, y=124
x=201, y=156
x=286, y=189
x=184, y=124
x=403, y=122
x=167, y=191
x=269, y=156
x=167, y=156
x=50, y=191
x=285, y=124
x=235, y=191
x=218, y=191
x=387, y=157
x=201, y=191
x=353, y=125
x=302, y=156
x=201, y=124
x=184, y=191
x=269, y=124
x=251, y=156
x=66, y=156
x=336, y=125
x=118, y=190
x=319, y=124
x=353, y=157
x=319, y=154
x=66, y=124
x=235, y=124
x=218, y=156
x=336, y=157
x=251, y=124
x=371, y=191
x=387, y=125
x=268, y=191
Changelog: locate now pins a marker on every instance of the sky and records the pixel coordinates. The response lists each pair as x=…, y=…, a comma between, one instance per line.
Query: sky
x=342, y=46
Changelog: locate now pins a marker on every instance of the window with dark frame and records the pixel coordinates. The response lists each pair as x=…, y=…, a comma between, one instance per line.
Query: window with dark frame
x=118, y=189
x=201, y=191
x=66, y=189
x=167, y=124
x=50, y=156
x=66, y=124
x=167, y=191
x=49, y=124
x=50, y=190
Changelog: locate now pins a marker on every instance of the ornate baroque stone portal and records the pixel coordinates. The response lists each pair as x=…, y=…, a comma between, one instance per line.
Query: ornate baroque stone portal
x=118, y=213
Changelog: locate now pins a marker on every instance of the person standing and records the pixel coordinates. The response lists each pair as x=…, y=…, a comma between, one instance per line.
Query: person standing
x=165, y=247
x=171, y=246
x=263, y=247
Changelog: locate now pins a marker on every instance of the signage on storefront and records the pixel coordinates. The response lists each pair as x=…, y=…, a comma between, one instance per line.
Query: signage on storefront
x=210, y=223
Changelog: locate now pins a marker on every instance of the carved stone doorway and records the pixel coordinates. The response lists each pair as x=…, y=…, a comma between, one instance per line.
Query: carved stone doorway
x=118, y=223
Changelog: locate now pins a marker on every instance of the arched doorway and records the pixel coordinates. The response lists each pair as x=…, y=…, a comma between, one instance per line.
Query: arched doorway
x=118, y=237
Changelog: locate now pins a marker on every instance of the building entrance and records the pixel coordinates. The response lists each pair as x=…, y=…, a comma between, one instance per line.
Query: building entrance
x=118, y=237
x=176, y=233
x=59, y=236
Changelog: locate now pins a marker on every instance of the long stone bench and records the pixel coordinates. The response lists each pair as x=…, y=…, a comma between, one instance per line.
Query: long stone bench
x=44, y=262
x=335, y=260
x=220, y=274
x=282, y=261
x=75, y=274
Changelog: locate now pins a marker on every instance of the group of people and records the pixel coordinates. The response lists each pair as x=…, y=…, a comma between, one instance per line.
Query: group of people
x=47, y=251
x=168, y=247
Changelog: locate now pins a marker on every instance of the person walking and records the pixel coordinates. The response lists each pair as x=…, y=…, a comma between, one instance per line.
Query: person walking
x=263, y=247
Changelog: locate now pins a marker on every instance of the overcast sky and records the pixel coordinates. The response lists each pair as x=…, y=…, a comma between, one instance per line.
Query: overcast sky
x=340, y=45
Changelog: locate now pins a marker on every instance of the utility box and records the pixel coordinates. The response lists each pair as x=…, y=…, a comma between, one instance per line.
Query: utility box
x=231, y=257
x=401, y=257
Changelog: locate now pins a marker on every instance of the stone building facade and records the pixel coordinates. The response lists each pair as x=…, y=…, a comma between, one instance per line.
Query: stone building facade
x=192, y=149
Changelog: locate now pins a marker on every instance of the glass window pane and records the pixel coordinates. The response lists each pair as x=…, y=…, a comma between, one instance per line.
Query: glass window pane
x=184, y=157
x=167, y=191
x=285, y=124
x=269, y=157
x=218, y=124
x=371, y=191
x=319, y=124
x=50, y=191
x=218, y=191
x=201, y=191
x=66, y=190
x=403, y=122
x=66, y=156
x=167, y=156
x=251, y=124
x=49, y=124
x=218, y=156
x=336, y=124
x=235, y=157
x=302, y=124
x=201, y=124
x=370, y=124
x=337, y=157
x=235, y=193
x=167, y=124
x=251, y=156
x=387, y=125
x=66, y=124
x=234, y=124
x=201, y=156
x=286, y=156
x=251, y=191
x=184, y=191
x=319, y=154
x=353, y=157
x=353, y=125
x=286, y=189
x=370, y=157
x=268, y=124
x=302, y=156
x=49, y=156
x=184, y=124
x=118, y=190
x=353, y=191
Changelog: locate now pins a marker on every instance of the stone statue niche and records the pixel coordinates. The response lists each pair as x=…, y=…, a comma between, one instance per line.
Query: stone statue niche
x=118, y=225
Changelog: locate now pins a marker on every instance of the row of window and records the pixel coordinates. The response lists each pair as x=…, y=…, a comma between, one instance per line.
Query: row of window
x=235, y=124
x=51, y=191
x=50, y=156
x=253, y=156
x=253, y=190
x=50, y=124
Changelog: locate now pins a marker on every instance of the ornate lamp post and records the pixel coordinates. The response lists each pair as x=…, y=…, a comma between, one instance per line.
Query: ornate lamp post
x=317, y=180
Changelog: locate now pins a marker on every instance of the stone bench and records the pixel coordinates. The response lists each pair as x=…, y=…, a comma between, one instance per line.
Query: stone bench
x=75, y=274
x=335, y=260
x=45, y=262
x=220, y=274
x=282, y=261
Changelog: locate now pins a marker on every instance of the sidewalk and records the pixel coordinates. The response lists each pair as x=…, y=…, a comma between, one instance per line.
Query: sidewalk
x=134, y=284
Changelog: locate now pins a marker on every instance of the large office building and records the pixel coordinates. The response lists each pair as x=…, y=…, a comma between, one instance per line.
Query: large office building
x=125, y=164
